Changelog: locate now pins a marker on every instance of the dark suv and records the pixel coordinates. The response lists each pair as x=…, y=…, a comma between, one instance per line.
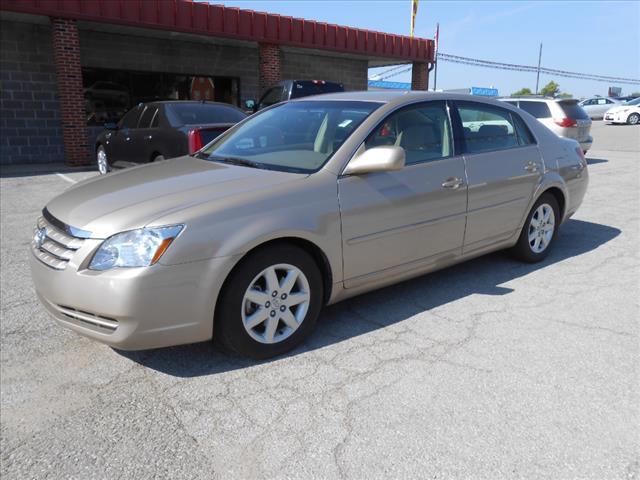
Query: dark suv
x=290, y=89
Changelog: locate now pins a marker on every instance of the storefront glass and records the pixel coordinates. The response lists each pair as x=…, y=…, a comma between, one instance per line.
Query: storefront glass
x=109, y=94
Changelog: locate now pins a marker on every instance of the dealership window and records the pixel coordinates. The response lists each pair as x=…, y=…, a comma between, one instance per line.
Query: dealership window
x=109, y=93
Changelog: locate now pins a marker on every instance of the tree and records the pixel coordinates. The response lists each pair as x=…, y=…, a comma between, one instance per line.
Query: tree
x=551, y=89
x=565, y=95
x=522, y=91
x=635, y=94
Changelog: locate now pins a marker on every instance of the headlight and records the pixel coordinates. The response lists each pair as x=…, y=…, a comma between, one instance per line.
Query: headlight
x=136, y=248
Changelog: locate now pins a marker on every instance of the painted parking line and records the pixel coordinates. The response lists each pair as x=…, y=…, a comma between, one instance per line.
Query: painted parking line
x=65, y=178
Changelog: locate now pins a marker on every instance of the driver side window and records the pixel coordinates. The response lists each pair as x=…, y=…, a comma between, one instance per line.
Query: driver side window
x=422, y=130
x=130, y=120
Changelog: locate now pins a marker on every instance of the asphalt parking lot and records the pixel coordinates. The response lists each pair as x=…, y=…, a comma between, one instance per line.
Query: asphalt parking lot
x=490, y=369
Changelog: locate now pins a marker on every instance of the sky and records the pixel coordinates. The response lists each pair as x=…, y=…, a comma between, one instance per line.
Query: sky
x=597, y=37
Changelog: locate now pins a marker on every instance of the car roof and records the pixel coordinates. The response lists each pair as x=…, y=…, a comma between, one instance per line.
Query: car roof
x=539, y=99
x=396, y=97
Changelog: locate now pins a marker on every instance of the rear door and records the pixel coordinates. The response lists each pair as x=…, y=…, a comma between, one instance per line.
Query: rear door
x=503, y=169
x=145, y=141
x=120, y=143
x=407, y=219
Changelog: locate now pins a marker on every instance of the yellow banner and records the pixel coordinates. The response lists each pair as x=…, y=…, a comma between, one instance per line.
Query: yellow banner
x=414, y=12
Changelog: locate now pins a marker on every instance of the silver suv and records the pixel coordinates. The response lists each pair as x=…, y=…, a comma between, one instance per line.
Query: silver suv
x=563, y=116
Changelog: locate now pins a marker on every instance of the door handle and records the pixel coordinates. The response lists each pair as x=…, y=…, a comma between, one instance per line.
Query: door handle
x=452, y=183
x=531, y=167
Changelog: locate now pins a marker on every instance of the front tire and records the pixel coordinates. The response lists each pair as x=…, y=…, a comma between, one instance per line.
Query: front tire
x=539, y=231
x=270, y=302
x=633, y=119
x=102, y=160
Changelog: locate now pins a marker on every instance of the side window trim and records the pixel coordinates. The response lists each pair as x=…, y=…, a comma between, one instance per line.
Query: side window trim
x=457, y=104
x=418, y=105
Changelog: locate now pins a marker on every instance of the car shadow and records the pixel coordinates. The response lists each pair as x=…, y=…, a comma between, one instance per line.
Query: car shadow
x=340, y=322
x=594, y=161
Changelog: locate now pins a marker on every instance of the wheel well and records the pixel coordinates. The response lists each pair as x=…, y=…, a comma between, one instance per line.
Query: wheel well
x=312, y=249
x=154, y=155
x=559, y=196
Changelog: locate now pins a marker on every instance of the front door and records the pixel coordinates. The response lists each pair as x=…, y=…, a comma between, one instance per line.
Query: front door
x=504, y=168
x=397, y=221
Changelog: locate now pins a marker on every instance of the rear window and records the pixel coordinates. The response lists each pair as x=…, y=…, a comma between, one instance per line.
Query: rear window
x=537, y=109
x=202, y=113
x=210, y=134
x=572, y=110
x=305, y=88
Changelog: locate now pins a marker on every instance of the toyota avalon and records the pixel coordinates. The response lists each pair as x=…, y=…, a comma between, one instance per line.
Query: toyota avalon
x=301, y=205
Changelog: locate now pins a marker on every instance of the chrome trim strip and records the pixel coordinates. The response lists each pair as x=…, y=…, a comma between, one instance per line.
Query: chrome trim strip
x=74, y=232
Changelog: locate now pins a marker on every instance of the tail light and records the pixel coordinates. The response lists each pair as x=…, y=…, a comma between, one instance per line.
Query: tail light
x=195, y=140
x=566, y=122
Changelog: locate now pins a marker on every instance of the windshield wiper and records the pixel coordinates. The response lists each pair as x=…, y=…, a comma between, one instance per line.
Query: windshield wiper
x=236, y=161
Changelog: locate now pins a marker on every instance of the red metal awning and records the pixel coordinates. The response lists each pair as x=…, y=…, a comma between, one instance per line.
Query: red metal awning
x=235, y=23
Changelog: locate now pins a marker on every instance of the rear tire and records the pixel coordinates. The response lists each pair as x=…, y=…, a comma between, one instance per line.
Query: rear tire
x=158, y=157
x=633, y=119
x=261, y=315
x=539, y=231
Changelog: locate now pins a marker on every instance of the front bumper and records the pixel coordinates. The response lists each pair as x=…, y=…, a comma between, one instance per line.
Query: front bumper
x=615, y=118
x=134, y=308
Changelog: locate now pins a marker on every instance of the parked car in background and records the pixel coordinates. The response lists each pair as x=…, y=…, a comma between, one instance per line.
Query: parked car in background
x=597, y=106
x=563, y=116
x=291, y=89
x=301, y=205
x=628, y=112
x=155, y=131
x=626, y=99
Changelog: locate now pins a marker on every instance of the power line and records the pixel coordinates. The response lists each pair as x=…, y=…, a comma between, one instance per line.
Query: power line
x=515, y=67
x=530, y=68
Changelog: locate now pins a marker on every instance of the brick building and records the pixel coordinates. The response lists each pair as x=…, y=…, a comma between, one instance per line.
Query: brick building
x=67, y=66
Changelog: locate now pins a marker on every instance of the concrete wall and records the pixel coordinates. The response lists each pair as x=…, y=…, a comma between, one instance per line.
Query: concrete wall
x=30, y=128
x=352, y=73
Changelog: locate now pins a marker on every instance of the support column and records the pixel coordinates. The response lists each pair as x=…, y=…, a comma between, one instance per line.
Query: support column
x=419, y=76
x=66, y=53
x=269, y=60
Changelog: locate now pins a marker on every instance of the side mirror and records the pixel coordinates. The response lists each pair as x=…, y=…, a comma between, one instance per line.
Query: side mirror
x=377, y=159
x=111, y=126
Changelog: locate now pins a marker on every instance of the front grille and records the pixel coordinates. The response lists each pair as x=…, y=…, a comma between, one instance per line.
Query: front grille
x=88, y=319
x=55, y=247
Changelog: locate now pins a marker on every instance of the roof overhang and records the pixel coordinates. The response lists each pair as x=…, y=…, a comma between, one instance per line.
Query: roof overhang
x=235, y=24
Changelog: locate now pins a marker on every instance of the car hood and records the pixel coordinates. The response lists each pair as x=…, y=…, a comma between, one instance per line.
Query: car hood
x=135, y=197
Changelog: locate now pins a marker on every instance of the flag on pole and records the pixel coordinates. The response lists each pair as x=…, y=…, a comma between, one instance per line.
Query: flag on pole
x=414, y=12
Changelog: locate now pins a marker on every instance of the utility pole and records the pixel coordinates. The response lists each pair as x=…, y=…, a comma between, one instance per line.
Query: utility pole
x=539, y=63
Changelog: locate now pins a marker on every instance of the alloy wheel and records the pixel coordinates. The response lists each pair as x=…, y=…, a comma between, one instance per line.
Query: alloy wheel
x=103, y=163
x=276, y=303
x=541, y=228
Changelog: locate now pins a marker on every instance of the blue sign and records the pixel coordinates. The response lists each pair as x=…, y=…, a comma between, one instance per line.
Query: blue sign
x=484, y=92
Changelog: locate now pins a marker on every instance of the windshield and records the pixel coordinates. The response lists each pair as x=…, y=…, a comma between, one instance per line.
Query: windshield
x=294, y=136
x=635, y=101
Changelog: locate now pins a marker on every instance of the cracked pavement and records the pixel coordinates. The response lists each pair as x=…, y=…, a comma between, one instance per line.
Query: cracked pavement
x=490, y=369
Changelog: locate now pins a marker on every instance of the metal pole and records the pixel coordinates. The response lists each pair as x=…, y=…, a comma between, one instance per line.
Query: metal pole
x=435, y=73
x=539, y=63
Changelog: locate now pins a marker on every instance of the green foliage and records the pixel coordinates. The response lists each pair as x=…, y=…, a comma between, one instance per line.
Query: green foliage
x=551, y=89
x=565, y=95
x=635, y=94
x=522, y=91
